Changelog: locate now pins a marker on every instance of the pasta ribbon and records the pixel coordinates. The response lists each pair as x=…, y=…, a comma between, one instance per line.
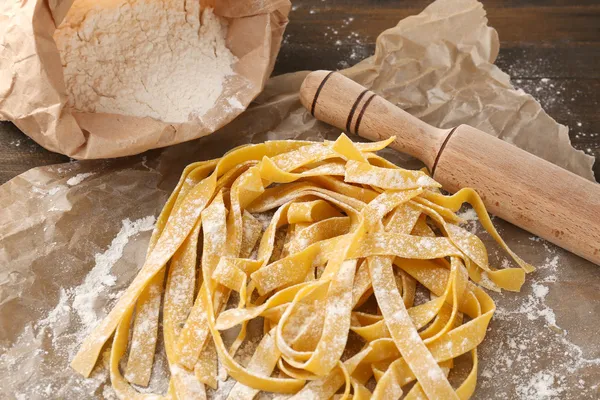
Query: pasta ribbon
x=314, y=241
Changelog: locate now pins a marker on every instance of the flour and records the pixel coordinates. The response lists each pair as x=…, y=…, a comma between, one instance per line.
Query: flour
x=77, y=179
x=468, y=215
x=541, y=386
x=50, y=192
x=162, y=59
x=471, y=224
x=108, y=393
x=246, y=351
x=74, y=304
x=534, y=306
x=100, y=278
x=538, y=359
x=81, y=299
x=62, y=310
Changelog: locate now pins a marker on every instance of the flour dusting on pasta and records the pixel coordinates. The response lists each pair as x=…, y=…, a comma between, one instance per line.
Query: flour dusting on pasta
x=320, y=249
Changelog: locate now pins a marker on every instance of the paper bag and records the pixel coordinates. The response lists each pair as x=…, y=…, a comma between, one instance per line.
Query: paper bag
x=33, y=94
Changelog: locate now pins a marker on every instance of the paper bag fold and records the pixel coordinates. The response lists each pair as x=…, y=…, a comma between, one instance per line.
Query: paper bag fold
x=33, y=94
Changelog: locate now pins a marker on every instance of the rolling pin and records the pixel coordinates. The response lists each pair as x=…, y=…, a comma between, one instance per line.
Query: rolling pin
x=515, y=185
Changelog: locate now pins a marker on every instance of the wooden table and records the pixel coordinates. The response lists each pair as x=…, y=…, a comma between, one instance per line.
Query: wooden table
x=551, y=49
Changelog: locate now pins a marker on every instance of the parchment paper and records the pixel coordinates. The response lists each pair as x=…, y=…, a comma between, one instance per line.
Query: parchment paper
x=33, y=94
x=542, y=342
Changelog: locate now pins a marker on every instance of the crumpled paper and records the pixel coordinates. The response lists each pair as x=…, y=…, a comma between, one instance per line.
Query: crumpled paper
x=33, y=94
x=58, y=223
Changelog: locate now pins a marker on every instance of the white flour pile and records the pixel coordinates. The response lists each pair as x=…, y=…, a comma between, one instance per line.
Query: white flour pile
x=147, y=58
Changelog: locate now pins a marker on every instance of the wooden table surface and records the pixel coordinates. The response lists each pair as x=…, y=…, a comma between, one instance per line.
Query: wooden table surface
x=551, y=49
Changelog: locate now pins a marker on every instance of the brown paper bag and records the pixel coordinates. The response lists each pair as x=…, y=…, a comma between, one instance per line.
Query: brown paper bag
x=33, y=93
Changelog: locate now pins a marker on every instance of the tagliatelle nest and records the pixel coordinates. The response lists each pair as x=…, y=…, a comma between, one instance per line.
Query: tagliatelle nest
x=356, y=229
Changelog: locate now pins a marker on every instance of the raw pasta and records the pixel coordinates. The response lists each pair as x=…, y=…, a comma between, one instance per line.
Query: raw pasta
x=349, y=239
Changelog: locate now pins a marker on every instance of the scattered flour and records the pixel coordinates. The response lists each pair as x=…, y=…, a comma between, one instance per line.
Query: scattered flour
x=351, y=46
x=78, y=303
x=541, y=386
x=534, y=307
x=100, y=278
x=468, y=215
x=162, y=59
x=62, y=310
x=471, y=220
x=540, y=291
x=537, y=358
x=77, y=179
x=246, y=351
x=49, y=192
x=108, y=393
x=81, y=299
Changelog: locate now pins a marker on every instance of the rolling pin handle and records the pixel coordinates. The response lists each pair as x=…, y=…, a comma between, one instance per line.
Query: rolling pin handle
x=343, y=103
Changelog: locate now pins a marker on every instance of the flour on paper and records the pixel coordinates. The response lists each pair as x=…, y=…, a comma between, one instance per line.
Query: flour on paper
x=73, y=304
x=163, y=59
x=100, y=278
x=49, y=192
x=80, y=300
x=77, y=179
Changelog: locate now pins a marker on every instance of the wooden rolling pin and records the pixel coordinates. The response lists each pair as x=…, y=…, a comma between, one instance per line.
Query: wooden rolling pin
x=515, y=185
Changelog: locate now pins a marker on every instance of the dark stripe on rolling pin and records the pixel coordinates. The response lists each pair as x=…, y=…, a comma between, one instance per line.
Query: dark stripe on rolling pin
x=314, y=103
x=437, y=158
x=353, y=110
x=362, y=112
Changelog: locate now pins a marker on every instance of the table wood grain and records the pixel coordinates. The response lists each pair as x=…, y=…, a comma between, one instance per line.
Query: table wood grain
x=551, y=49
